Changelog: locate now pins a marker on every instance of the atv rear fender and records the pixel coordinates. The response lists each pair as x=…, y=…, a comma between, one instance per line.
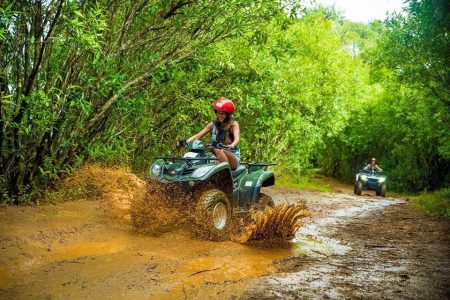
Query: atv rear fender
x=250, y=185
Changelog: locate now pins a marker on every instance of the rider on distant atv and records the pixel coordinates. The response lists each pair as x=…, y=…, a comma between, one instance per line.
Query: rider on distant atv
x=373, y=166
x=223, y=130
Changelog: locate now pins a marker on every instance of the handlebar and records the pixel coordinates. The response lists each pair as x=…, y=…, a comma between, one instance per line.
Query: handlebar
x=370, y=171
x=181, y=143
x=218, y=145
x=214, y=144
x=173, y=158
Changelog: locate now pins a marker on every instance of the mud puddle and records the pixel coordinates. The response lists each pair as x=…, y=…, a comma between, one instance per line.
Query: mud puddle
x=78, y=250
x=81, y=255
x=88, y=249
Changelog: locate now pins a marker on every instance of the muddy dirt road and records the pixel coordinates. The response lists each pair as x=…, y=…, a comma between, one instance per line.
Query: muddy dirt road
x=351, y=247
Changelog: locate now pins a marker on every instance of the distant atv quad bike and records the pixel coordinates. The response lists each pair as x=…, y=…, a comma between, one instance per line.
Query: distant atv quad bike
x=216, y=195
x=370, y=180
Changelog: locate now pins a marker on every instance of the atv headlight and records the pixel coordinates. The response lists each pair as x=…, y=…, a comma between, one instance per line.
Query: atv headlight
x=381, y=179
x=156, y=169
x=200, y=172
x=363, y=177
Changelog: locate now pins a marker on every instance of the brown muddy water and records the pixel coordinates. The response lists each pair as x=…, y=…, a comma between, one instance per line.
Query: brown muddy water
x=76, y=250
x=350, y=247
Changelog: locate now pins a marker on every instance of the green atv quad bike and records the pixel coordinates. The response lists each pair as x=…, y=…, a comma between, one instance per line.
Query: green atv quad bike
x=214, y=195
x=370, y=180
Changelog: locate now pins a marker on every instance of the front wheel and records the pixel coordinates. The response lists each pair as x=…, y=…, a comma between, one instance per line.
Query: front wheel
x=358, y=188
x=214, y=215
x=383, y=190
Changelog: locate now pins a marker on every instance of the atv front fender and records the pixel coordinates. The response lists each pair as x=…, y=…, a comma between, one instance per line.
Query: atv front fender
x=219, y=175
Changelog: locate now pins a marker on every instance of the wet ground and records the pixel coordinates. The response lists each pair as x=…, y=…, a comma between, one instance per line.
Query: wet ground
x=351, y=247
x=374, y=249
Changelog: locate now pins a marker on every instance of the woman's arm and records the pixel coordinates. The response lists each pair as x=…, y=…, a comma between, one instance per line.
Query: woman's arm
x=202, y=133
x=236, y=131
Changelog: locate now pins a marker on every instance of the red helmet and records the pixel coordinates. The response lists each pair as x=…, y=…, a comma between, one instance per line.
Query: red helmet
x=225, y=105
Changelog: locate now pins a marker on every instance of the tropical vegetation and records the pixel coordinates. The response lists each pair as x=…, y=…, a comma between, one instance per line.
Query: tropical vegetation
x=118, y=82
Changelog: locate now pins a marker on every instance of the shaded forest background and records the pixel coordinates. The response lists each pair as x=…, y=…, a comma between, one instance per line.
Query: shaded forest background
x=118, y=82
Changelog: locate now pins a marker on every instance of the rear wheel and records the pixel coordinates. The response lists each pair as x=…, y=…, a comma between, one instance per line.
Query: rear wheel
x=214, y=215
x=383, y=190
x=358, y=188
x=264, y=201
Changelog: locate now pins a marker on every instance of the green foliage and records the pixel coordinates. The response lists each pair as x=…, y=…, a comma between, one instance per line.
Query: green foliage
x=71, y=70
x=406, y=122
x=394, y=130
x=434, y=204
x=301, y=66
x=416, y=47
x=119, y=82
x=311, y=181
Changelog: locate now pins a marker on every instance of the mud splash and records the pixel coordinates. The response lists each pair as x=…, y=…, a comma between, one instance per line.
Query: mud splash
x=155, y=209
x=153, y=213
x=114, y=187
x=279, y=222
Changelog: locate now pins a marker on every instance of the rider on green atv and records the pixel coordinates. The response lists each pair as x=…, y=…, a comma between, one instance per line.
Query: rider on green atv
x=224, y=130
x=373, y=166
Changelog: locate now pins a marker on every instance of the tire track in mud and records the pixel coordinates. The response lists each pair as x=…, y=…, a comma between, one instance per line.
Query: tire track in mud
x=375, y=248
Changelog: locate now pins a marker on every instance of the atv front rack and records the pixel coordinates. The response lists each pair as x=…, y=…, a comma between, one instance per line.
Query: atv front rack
x=189, y=160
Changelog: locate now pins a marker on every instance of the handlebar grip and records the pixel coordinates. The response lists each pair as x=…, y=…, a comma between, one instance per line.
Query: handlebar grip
x=182, y=143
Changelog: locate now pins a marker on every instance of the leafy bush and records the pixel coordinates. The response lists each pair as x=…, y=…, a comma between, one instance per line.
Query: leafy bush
x=435, y=204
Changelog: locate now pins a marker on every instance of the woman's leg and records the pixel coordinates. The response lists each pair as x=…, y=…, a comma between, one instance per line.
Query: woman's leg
x=232, y=159
x=226, y=156
x=221, y=157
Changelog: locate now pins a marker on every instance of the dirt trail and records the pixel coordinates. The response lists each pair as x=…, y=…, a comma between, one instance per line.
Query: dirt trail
x=372, y=248
x=351, y=247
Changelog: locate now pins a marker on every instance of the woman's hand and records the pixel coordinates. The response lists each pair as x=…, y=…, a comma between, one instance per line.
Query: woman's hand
x=182, y=143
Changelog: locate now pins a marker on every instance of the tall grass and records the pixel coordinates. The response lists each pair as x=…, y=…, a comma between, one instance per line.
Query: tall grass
x=434, y=203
